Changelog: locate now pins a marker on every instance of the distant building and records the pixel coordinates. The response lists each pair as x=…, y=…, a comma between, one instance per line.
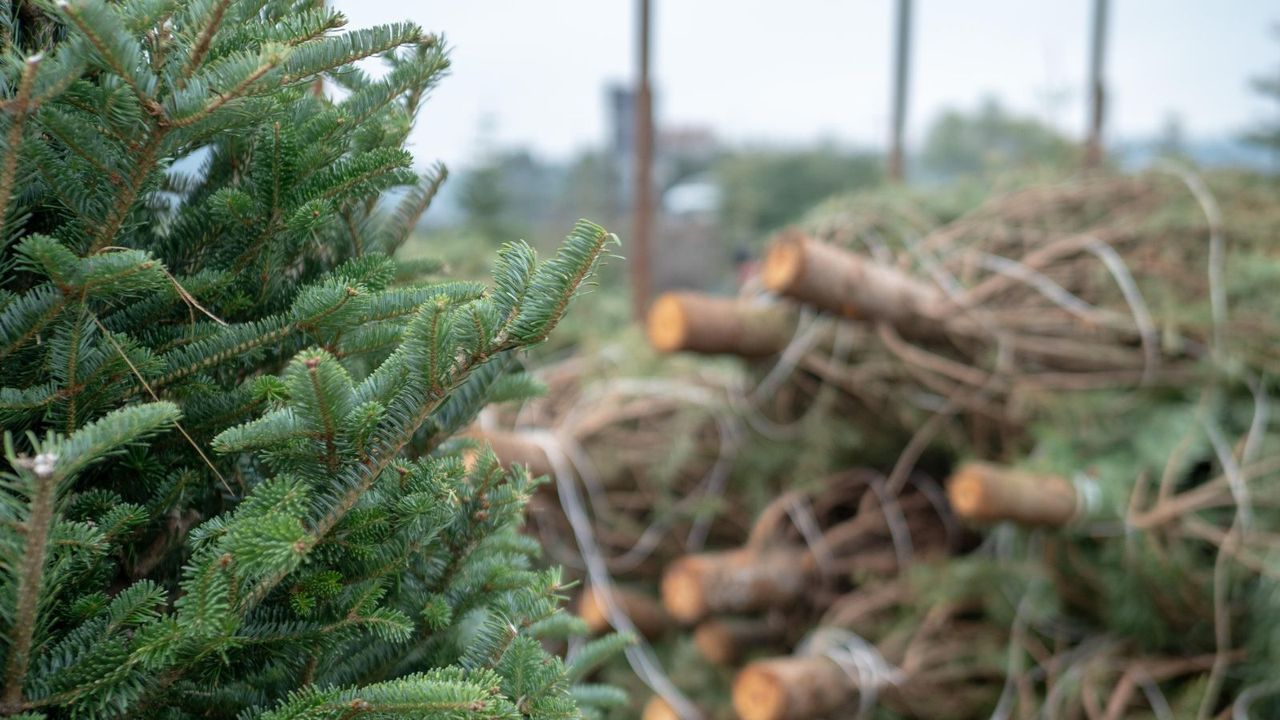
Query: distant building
x=689, y=249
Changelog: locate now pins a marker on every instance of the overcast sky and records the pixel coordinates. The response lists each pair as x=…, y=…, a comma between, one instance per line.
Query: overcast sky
x=534, y=71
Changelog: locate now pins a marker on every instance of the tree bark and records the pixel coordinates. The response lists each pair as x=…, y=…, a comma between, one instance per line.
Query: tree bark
x=845, y=283
x=736, y=581
x=692, y=322
x=986, y=493
x=793, y=688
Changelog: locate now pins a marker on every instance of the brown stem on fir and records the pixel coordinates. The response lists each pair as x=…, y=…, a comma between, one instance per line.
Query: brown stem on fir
x=30, y=582
x=21, y=108
x=143, y=166
x=228, y=96
x=326, y=414
x=201, y=47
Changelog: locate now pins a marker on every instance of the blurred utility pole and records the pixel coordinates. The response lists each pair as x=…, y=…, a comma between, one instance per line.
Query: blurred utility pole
x=639, y=243
x=1097, y=89
x=901, y=68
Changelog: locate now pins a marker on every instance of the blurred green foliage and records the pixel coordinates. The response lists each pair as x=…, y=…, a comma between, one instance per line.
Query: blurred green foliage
x=763, y=190
x=990, y=140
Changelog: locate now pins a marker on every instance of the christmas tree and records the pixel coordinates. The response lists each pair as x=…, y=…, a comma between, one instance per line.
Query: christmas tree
x=229, y=487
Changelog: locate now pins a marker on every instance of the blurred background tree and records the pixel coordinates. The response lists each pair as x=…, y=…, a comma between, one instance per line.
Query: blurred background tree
x=1267, y=133
x=764, y=189
x=990, y=139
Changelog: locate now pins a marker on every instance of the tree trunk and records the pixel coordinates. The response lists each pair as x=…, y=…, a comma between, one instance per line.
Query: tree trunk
x=793, y=688
x=986, y=493
x=692, y=322
x=736, y=581
x=838, y=281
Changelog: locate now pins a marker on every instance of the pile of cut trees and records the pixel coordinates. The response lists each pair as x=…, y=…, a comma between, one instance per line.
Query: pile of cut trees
x=1096, y=360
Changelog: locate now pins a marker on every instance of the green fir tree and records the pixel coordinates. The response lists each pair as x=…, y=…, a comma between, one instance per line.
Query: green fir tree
x=229, y=489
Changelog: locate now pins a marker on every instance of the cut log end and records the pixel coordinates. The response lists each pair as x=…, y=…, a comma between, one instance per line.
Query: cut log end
x=793, y=688
x=715, y=643
x=736, y=582
x=682, y=593
x=659, y=709
x=645, y=612
x=967, y=491
x=668, y=324
x=784, y=262
x=983, y=493
x=759, y=693
x=592, y=611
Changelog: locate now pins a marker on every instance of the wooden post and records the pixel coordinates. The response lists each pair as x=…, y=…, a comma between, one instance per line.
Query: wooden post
x=736, y=581
x=511, y=449
x=843, y=282
x=794, y=688
x=901, y=69
x=986, y=493
x=640, y=241
x=726, y=641
x=693, y=322
x=1097, y=86
x=645, y=612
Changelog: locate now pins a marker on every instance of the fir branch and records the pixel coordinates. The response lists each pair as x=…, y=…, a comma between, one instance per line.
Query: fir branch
x=120, y=52
x=239, y=90
x=41, y=476
x=144, y=165
x=201, y=48
x=21, y=108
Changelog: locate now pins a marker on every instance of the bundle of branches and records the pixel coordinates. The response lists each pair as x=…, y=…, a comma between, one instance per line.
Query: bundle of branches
x=1100, y=283
x=797, y=361
x=651, y=456
x=1157, y=528
x=805, y=551
x=895, y=645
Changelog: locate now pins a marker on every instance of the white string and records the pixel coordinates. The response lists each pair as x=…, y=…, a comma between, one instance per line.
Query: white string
x=1054, y=292
x=899, y=530
x=1217, y=250
x=802, y=517
x=1137, y=305
x=1235, y=478
x=1088, y=493
x=1004, y=706
x=1155, y=696
x=859, y=659
x=1240, y=708
x=640, y=655
x=937, y=498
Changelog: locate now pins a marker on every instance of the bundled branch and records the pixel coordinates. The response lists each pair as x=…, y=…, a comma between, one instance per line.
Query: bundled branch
x=805, y=550
x=1101, y=283
x=888, y=644
x=1096, y=356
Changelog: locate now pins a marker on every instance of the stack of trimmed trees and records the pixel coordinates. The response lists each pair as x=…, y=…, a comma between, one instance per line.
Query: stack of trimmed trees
x=1093, y=361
